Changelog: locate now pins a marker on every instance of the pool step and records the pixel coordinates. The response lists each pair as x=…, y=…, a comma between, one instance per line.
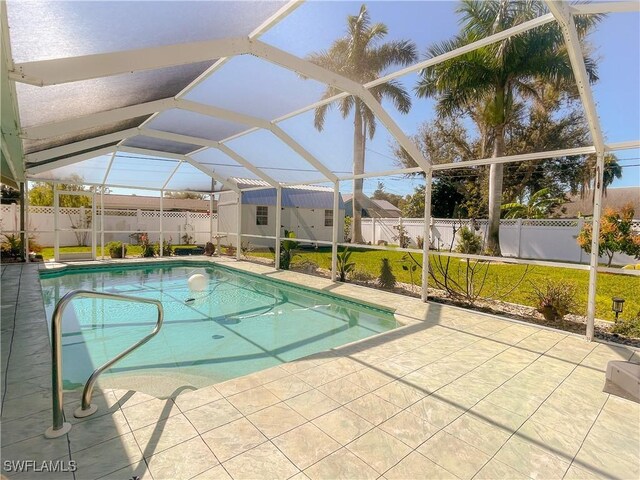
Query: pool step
x=623, y=379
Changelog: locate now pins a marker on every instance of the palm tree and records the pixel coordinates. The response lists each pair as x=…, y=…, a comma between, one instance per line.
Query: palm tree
x=488, y=83
x=539, y=205
x=360, y=56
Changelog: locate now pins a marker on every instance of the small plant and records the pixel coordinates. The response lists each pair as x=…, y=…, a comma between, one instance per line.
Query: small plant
x=628, y=328
x=187, y=239
x=148, y=249
x=420, y=241
x=410, y=267
x=469, y=242
x=246, y=248
x=306, y=265
x=344, y=265
x=229, y=250
x=360, y=275
x=287, y=248
x=11, y=245
x=402, y=238
x=387, y=279
x=554, y=299
x=167, y=248
x=116, y=249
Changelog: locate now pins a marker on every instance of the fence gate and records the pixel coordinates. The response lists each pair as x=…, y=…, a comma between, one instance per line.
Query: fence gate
x=74, y=215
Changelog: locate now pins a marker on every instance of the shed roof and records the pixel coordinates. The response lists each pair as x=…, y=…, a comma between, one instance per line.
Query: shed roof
x=292, y=197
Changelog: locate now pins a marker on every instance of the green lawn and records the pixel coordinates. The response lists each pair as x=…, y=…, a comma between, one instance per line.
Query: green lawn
x=501, y=278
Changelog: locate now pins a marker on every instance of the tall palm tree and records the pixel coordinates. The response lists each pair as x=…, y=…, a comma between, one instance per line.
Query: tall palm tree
x=497, y=76
x=361, y=56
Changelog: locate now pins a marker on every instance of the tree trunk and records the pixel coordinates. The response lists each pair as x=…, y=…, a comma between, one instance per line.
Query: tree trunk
x=495, y=194
x=358, y=168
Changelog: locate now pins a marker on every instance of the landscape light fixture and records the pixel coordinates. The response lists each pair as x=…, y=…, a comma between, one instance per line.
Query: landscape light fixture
x=617, y=306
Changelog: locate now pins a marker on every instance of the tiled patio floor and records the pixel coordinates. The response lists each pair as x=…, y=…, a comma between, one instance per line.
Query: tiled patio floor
x=453, y=394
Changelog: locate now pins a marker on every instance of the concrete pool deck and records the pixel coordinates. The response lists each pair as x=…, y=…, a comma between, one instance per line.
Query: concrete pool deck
x=451, y=394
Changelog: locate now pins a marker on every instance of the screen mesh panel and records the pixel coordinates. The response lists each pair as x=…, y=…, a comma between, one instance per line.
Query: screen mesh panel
x=135, y=171
x=194, y=124
x=160, y=144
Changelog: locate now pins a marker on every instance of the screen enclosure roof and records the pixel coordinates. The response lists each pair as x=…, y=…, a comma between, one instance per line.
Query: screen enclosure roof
x=207, y=96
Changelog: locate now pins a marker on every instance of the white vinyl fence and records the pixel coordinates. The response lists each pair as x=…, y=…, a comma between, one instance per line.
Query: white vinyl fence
x=544, y=239
x=118, y=224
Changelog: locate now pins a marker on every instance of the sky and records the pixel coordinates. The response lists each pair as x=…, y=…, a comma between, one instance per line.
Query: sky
x=250, y=85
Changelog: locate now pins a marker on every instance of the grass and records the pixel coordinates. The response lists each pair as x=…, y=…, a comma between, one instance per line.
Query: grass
x=501, y=278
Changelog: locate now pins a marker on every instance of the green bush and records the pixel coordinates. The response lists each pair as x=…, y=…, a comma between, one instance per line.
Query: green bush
x=344, y=265
x=554, y=299
x=469, y=242
x=115, y=249
x=167, y=249
x=628, y=328
x=387, y=279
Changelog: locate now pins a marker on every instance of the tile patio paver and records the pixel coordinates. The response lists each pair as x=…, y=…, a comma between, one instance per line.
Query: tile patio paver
x=262, y=462
x=185, y=460
x=455, y=394
x=233, y=439
x=305, y=445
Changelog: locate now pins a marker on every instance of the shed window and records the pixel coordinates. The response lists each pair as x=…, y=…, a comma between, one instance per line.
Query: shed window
x=328, y=218
x=262, y=215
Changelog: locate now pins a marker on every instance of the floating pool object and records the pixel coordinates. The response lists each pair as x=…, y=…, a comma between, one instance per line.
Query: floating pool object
x=189, y=301
x=197, y=282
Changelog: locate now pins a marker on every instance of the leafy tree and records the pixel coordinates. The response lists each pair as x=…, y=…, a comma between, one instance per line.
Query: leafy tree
x=360, y=56
x=616, y=234
x=539, y=205
x=414, y=203
x=9, y=195
x=184, y=195
x=41, y=193
x=488, y=82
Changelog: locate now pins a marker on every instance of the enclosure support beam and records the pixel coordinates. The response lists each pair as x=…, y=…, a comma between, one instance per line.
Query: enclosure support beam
x=211, y=200
x=226, y=182
x=56, y=237
x=426, y=236
x=94, y=231
x=46, y=166
x=278, y=224
x=24, y=252
x=562, y=13
x=239, y=215
x=334, y=230
x=161, y=223
x=102, y=221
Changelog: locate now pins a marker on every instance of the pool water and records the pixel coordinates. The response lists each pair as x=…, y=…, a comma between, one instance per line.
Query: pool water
x=240, y=323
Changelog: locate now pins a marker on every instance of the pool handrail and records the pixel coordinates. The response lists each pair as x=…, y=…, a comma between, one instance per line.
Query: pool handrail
x=60, y=427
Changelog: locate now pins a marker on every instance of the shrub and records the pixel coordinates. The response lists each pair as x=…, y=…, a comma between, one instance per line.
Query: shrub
x=360, y=275
x=402, y=238
x=167, y=248
x=11, y=245
x=148, y=250
x=469, y=242
x=344, y=265
x=386, y=279
x=229, y=250
x=306, y=265
x=420, y=241
x=628, y=328
x=554, y=299
x=616, y=234
x=115, y=249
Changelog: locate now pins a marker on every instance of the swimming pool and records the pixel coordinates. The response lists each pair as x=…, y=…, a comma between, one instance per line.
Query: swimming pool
x=240, y=323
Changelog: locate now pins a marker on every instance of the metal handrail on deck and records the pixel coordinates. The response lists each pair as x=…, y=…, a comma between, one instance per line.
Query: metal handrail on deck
x=60, y=427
